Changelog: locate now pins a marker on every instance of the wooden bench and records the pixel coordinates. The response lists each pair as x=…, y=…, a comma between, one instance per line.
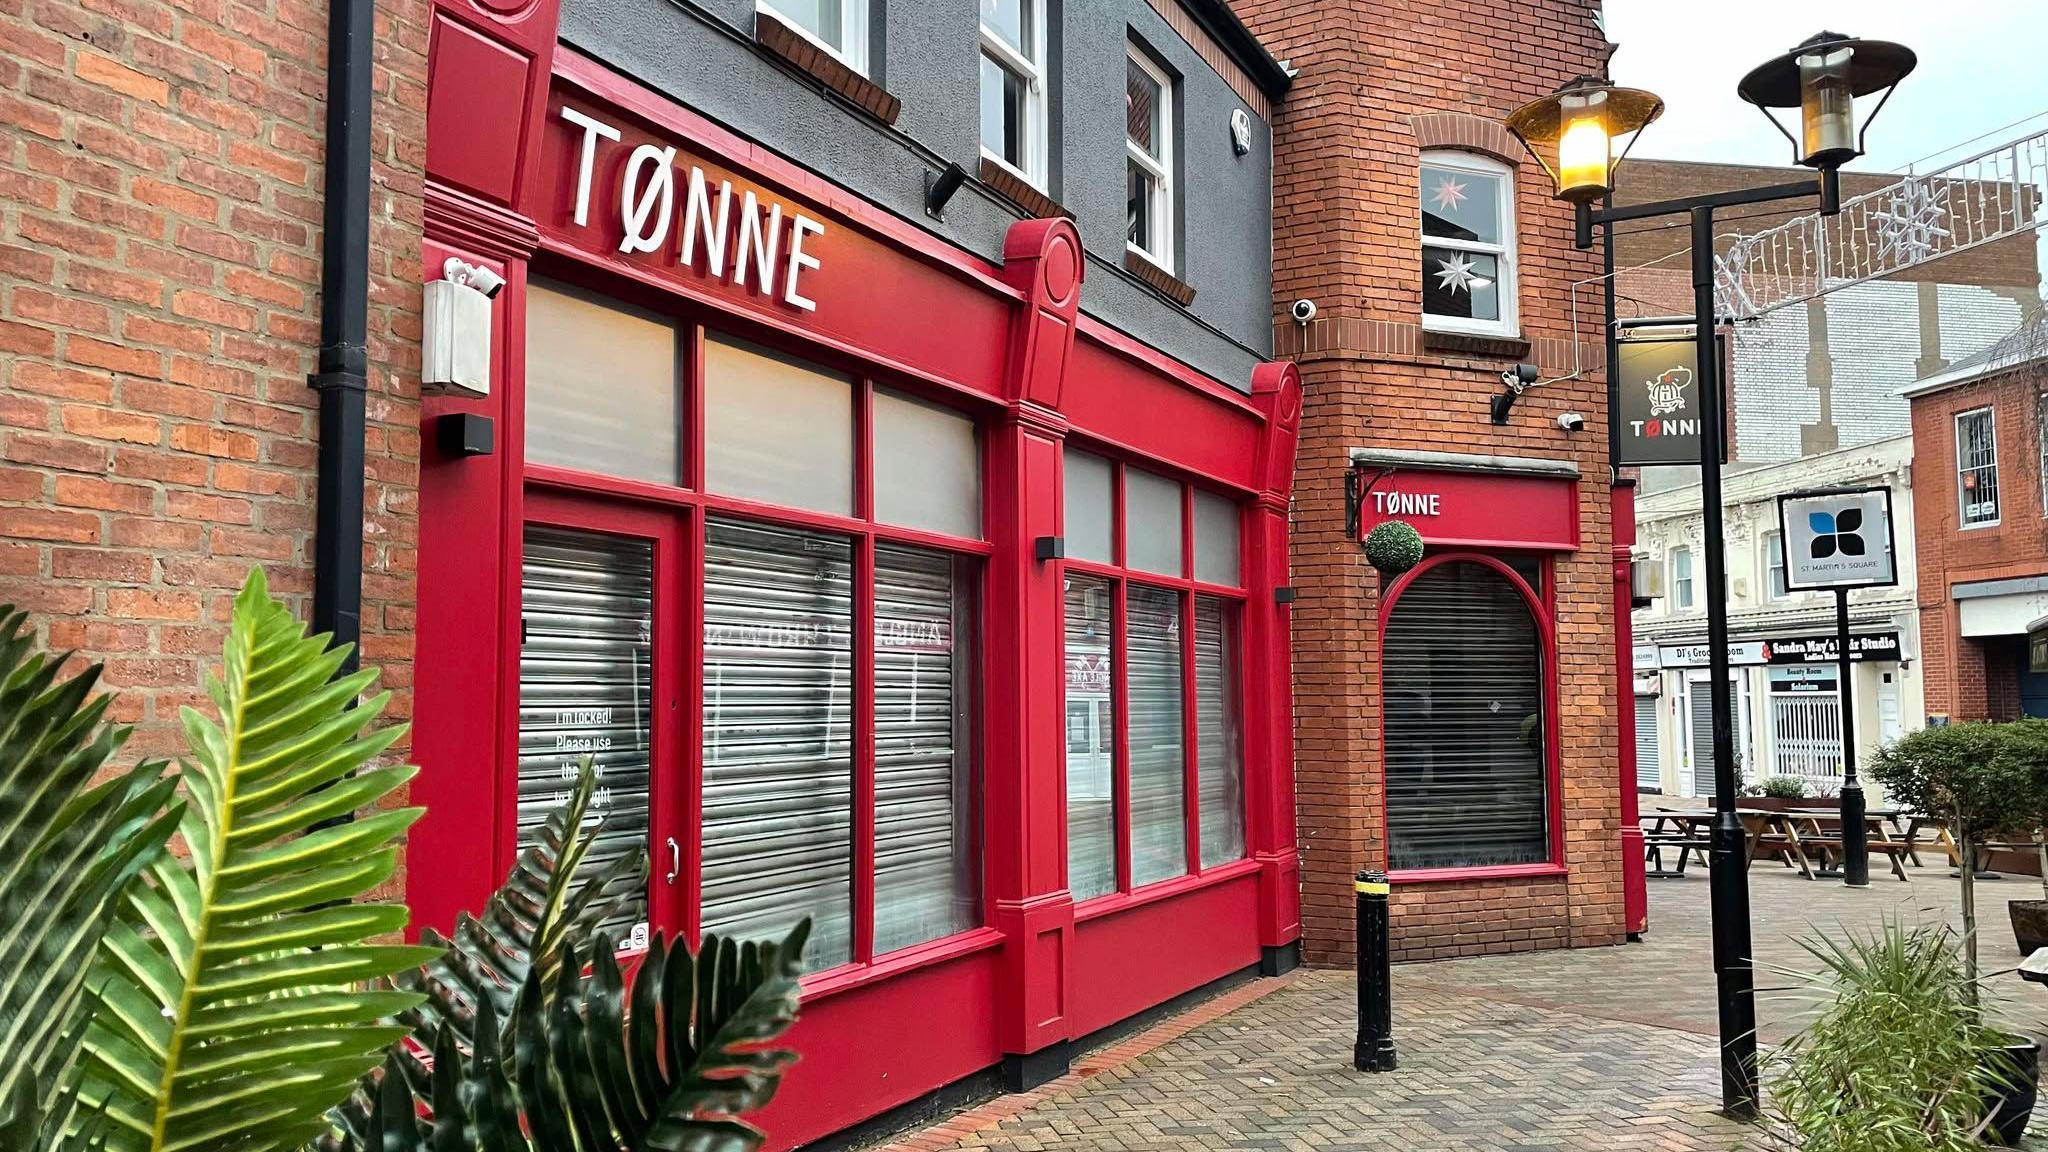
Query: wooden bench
x=1654, y=844
x=1895, y=851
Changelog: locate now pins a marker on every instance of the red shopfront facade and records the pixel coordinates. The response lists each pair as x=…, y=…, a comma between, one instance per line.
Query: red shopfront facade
x=884, y=585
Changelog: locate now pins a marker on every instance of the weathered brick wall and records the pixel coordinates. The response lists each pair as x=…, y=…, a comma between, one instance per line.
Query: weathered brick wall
x=1966, y=679
x=160, y=202
x=1346, y=235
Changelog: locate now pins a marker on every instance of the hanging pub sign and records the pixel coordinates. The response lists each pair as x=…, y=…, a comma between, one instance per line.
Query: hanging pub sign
x=1654, y=393
x=1837, y=538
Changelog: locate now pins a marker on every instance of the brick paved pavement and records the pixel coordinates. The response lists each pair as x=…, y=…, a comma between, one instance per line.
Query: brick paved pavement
x=1599, y=1048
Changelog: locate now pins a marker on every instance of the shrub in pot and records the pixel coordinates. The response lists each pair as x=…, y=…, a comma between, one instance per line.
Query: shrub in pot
x=1785, y=788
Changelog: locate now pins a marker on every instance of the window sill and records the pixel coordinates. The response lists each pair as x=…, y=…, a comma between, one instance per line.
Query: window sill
x=1487, y=872
x=797, y=50
x=1116, y=902
x=1014, y=188
x=1175, y=289
x=850, y=977
x=1473, y=343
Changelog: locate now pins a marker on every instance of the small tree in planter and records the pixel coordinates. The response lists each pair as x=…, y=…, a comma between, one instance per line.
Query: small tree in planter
x=1969, y=777
x=2026, y=743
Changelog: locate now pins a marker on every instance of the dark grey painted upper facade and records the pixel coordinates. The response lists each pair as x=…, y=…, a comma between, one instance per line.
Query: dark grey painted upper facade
x=927, y=53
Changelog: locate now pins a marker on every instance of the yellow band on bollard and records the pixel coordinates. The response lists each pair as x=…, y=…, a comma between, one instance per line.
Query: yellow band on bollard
x=1370, y=888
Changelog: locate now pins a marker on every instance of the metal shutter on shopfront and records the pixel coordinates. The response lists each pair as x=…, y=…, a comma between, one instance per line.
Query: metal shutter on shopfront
x=1700, y=756
x=1649, y=774
x=585, y=688
x=924, y=860
x=1464, y=723
x=1218, y=733
x=778, y=730
x=1158, y=781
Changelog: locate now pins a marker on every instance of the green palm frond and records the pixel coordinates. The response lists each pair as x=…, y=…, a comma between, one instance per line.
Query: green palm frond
x=230, y=1009
x=66, y=850
x=546, y=903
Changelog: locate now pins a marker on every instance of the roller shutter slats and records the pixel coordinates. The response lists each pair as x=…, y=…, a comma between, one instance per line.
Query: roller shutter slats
x=1158, y=782
x=1648, y=773
x=1218, y=733
x=1463, y=699
x=1091, y=726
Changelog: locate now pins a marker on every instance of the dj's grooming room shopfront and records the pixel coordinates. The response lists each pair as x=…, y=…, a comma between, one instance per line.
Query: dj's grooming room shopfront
x=883, y=473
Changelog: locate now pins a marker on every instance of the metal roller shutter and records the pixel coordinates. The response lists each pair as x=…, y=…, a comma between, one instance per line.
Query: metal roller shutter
x=1700, y=756
x=1218, y=733
x=1464, y=723
x=585, y=686
x=925, y=882
x=1152, y=655
x=778, y=735
x=1649, y=773
x=1091, y=739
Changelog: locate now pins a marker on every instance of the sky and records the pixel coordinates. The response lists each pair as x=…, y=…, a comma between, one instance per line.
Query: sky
x=1980, y=69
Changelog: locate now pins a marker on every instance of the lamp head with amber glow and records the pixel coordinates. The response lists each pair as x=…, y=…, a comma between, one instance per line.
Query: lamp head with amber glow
x=1582, y=120
x=1823, y=77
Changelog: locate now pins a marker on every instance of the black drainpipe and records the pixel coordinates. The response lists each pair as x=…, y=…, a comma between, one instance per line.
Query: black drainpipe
x=343, y=376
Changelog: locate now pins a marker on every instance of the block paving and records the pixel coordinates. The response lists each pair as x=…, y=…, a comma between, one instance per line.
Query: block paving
x=1589, y=1048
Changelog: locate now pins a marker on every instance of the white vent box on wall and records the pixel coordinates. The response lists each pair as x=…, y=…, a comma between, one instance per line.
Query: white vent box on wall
x=455, y=344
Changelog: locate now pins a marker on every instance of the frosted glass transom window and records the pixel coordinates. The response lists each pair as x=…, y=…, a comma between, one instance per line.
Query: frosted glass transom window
x=1090, y=507
x=1216, y=539
x=776, y=429
x=927, y=466
x=1151, y=523
x=601, y=386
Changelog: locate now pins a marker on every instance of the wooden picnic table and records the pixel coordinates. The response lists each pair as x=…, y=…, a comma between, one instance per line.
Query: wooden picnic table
x=1821, y=830
x=1765, y=832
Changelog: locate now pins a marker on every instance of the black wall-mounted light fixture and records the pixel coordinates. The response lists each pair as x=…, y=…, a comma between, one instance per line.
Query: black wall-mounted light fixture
x=940, y=188
x=1516, y=381
x=1283, y=594
x=1050, y=548
x=464, y=434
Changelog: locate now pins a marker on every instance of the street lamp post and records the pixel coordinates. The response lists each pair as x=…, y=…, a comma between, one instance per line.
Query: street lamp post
x=1581, y=122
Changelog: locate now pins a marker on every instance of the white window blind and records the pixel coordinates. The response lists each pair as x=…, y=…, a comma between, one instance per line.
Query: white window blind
x=1219, y=739
x=1091, y=739
x=1152, y=655
x=926, y=873
x=585, y=667
x=1464, y=723
x=778, y=710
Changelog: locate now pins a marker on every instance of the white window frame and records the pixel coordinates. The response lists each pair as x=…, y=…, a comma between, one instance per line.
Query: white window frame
x=1683, y=593
x=1037, y=124
x=1508, y=289
x=1964, y=523
x=853, y=30
x=1161, y=169
x=1774, y=561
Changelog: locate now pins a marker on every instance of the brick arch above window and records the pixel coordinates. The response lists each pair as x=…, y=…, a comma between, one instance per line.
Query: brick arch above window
x=1467, y=133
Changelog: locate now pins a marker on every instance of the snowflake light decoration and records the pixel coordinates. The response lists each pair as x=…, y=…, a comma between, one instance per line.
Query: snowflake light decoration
x=1457, y=275
x=1912, y=224
x=1449, y=194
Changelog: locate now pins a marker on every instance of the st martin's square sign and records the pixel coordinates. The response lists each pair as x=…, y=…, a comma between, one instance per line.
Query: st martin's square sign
x=1837, y=538
x=1656, y=397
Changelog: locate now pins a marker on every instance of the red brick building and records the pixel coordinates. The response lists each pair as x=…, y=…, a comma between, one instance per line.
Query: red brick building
x=1980, y=443
x=161, y=172
x=1455, y=725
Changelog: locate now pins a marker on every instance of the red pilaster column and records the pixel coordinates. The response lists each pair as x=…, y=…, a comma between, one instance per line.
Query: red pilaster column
x=1635, y=892
x=1268, y=674
x=1024, y=755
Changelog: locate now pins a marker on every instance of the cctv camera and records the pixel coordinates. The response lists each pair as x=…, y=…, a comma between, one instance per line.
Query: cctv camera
x=473, y=276
x=1571, y=422
x=1304, y=311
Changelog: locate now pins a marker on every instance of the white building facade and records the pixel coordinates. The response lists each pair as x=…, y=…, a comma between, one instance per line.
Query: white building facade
x=1787, y=693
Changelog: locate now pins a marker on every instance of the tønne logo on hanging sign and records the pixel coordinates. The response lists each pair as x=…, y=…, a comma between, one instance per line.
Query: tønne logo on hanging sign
x=670, y=206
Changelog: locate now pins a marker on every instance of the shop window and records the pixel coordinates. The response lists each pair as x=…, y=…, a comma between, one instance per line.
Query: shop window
x=1466, y=770
x=776, y=430
x=778, y=735
x=1977, y=467
x=1013, y=117
x=1468, y=244
x=927, y=467
x=1774, y=566
x=586, y=607
x=2041, y=432
x=1681, y=578
x=927, y=881
x=1219, y=731
x=603, y=389
x=1148, y=156
x=1163, y=795
x=838, y=26
x=1091, y=739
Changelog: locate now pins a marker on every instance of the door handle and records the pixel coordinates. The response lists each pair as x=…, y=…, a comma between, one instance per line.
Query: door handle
x=675, y=860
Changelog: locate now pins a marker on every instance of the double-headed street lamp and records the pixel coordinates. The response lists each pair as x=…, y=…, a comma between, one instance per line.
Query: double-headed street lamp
x=1579, y=126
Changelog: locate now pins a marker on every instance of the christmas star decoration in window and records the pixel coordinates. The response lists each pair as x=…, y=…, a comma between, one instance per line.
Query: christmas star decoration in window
x=1457, y=275
x=1449, y=194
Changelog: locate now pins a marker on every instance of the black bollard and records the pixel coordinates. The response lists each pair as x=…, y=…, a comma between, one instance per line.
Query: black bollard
x=1374, y=1051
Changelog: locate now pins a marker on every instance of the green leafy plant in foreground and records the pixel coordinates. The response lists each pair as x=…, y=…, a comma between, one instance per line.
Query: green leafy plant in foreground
x=1896, y=1056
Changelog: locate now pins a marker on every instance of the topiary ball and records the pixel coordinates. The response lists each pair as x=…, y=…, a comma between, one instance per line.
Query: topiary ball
x=1394, y=547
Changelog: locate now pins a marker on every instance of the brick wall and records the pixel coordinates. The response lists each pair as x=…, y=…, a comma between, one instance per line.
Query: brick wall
x=1346, y=235
x=160, y=201
x=1975, y=679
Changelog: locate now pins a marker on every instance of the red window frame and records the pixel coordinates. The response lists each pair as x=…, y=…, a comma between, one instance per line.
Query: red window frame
x=678, y=515
x=1120, y=575
x=1539, y=601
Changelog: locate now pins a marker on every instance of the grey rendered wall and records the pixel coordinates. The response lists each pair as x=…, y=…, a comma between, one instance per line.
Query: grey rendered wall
x=701, y=53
